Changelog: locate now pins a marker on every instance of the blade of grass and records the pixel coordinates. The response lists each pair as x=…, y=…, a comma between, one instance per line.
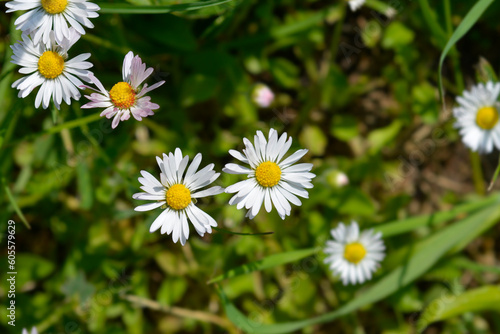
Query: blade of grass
x=240, y=233
x=467, y=264
x=123, y=8
x=14, y=204
x=417, y=264
x=266, y=263
x=485, y=298
x=412, y=223
x=467, y=23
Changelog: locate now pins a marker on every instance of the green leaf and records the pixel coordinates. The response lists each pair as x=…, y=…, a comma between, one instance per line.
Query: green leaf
x=314, y=139
x=267, y=262
x=198, y=88
x=412, y=223
x=285, y=72
x=84, y=186
x=397, y=35
x=416, y=265
x=469, y=20
x=485, y=71
x=14, y=204
x=432, y=21
x=382, y=137
x=344, y=127
x=122, y=8
x=486, y=298
x=355, y=202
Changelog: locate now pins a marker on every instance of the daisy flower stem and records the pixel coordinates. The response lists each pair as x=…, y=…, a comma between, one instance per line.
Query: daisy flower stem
x=54, y=113
x=239, y=233
x=477, y=173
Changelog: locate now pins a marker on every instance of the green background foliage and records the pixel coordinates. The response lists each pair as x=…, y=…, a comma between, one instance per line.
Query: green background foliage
x=359, y=90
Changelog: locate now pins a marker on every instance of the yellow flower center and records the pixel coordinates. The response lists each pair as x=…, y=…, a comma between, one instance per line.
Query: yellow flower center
x=268, y=174
x=54, y=6
x=50, y=64
x=178, y=197
x=122, y=95
x=354, y=252
x=487, y=117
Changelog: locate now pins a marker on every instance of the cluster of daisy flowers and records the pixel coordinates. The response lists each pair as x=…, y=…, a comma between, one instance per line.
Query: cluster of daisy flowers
x=49, y=29
x=271, y=181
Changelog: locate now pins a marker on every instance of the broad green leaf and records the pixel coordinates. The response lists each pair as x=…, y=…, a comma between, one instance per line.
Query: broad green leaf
x=467, y=23
x=486, y=298
x=123, y=8
x=417, y=264
x=267, y=262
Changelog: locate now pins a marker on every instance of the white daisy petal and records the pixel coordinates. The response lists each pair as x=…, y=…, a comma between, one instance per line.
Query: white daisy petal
x=149, y=206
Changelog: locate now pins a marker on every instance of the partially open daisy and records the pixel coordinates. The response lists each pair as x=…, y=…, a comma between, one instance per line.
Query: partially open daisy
x=177, y=193
x=354, y=256
x=44, y=16
x=355, y=4
x=477, y=117
x=271, y=180
x=127, y=96
x=49, y=66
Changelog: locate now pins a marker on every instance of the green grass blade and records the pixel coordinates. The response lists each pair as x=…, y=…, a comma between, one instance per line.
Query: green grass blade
x=14, y=204
x=412, y=223
x=417, y=264
x=486, y=298
x=469, y=20
x=467, y=264
x=123, y=8
x=84, y=185
x=218, y=229
x=432, y=21
x=266, y=263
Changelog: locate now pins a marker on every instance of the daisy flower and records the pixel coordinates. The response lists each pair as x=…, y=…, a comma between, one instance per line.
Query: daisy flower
x=178, y=193
x=270, y=179
x=354, y=256
x=49, y=66
x=33, y=331
x=125, y=97
x=44, y=16
x=477, y=117
x=355, y=4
